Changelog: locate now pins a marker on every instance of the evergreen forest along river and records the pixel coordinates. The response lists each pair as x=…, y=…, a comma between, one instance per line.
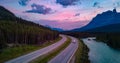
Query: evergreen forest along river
x=100, y=52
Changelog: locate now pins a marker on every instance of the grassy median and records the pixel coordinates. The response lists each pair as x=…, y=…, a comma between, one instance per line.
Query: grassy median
x=13, y=52
x=45, y=58
x=81, y=55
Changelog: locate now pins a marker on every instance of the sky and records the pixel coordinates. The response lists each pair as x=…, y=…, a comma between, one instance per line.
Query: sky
x=64, y=14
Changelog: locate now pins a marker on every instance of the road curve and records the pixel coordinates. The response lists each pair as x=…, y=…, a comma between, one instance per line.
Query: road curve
x=28, y=57
x=66, y=54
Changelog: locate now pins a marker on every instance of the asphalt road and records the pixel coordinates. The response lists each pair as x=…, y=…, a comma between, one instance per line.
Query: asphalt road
x=67, y=53
x=28, y=57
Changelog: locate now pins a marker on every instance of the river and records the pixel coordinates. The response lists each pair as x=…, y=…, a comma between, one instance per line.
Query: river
x=101, y=53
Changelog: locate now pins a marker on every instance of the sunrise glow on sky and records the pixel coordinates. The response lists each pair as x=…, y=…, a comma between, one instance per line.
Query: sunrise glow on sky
x=64, y=14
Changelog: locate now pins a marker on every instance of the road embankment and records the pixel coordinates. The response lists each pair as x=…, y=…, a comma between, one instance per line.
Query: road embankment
x=81, y=55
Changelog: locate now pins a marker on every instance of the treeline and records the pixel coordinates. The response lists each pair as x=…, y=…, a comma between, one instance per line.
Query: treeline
x=79, y=34
x=15, y=30
x=112, y=39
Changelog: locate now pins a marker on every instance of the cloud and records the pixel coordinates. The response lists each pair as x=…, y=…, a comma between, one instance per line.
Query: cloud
x=63, y=24
x=78, y=14
x=40, y=9
x=23, y=2
x=97, y=4
x=116, y=4
x=66, y=2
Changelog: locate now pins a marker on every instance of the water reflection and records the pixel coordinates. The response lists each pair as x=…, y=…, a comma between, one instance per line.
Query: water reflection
x=101, y=53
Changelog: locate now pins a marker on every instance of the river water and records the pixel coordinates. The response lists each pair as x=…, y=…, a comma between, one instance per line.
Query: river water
x=101, y=53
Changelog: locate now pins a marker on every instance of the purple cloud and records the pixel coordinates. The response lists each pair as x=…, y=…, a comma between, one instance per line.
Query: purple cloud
x=23, y=2
x=78, y=14
x=66, y=2
x=40, y=9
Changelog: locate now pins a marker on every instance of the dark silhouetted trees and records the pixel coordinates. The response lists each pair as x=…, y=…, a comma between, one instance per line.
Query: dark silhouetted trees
x=18, y=31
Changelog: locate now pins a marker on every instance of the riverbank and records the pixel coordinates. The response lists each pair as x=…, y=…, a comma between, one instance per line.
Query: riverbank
x=81, y=55
x=100, y=52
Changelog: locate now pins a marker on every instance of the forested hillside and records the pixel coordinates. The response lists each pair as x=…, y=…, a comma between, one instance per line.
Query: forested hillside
x=17, y=31
x=112, y=39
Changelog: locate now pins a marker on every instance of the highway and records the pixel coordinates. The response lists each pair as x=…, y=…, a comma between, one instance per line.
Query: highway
x=67, y=53
x=33, y=55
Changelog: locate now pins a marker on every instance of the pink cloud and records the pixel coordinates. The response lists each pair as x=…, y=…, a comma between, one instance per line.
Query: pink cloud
x=66, y=25
x=64, y=15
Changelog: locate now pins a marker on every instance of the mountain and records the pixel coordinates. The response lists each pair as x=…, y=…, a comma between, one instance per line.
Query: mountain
x=105, y=22
x=5, y=14
x=18, y=31
x=106, y=28
x=57, y=29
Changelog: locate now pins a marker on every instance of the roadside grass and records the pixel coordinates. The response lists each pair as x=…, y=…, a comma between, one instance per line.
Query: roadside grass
x=78, y=53
x=13, y=52
x=47, y=57
x=81, y=55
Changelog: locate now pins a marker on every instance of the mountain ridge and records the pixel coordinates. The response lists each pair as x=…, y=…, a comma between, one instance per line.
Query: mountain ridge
x=101, y=20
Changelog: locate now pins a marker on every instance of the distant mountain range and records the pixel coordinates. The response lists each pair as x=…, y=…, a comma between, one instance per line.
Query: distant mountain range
x=108, y=21
x=55, y=29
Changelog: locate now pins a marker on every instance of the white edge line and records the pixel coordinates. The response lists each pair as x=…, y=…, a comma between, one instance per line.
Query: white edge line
x=72, y=54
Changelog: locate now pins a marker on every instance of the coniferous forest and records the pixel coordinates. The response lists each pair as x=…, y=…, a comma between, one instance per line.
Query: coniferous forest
x=14, y=30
